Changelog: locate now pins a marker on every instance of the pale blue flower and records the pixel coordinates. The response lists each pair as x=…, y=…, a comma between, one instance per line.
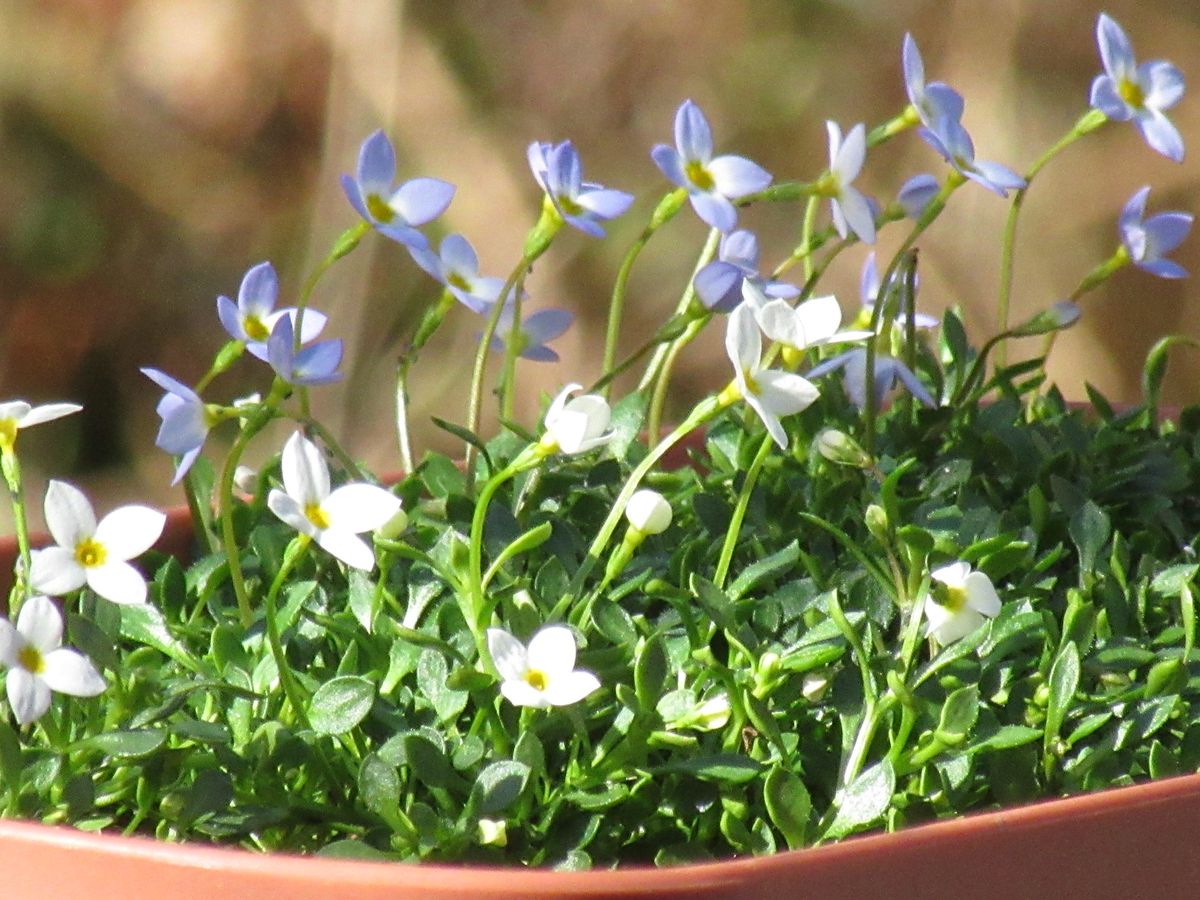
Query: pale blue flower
x=931, y=101
x=916, y=194
x=1148, y=241
x=951, y=141
x=253, y=317
x=314, y=364
x=581, y=203
x=535, y=332
x=457, y=267
x=719, y=284
x=711, y=183
x=851, y=209
x=185, y=421
x=1128, y=91
x=394, y=213
x=889, y=371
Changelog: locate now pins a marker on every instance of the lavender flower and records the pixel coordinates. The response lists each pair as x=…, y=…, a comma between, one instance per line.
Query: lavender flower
x=1129, y=92
x=952, y=142
x=254, y=315
x=394, y=213
x=1148, y=241
x=185, y=421
x=581, y=203
x=711, y=183
x=315, y=364
x=889, y=372
x=534, y=333
x=457, y=267
x=719, y=284
x=932, y=101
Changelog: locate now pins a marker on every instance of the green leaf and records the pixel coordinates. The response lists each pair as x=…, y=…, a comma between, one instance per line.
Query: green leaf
x=714, y=602
x=1005, y=738
x=428, y=762
x=788, y=804
x=863, y=801
x=432, y=674
x=1064, y=682
x=123, y=744
x=958, y=715
x=362, y=599
x=10, y=756
x=379, y=788
x=650, y=672
x=145, y=624
x=529, y=750
x=1089, y=529
x=730, y=768
x=498, y=786
x=340, y=704
x=781, y=561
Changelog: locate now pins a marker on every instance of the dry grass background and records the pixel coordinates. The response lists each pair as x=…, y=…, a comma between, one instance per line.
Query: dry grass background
x=152, y=150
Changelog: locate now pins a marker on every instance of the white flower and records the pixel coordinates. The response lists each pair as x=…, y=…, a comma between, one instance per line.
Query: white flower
x=851, y=210
x=648, y=512
x=576, y=425
x=90, y=553
x=37, y=662
x=770, y=394
x=812, y=323
x=960, y=601
x=333, y=519
x=543, y=675
x=17, y=414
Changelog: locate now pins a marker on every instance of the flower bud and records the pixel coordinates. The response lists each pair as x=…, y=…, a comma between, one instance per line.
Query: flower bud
x=648, y=512
x=492, y=833
x=877, y=523
x=245, y=479
x=577, y=424
x=814, y=685
x=838, y=447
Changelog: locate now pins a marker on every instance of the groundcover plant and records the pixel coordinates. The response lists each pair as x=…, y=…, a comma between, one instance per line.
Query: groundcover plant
x=880, y=576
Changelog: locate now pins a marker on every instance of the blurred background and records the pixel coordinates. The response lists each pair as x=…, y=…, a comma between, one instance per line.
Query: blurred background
x=153, y=150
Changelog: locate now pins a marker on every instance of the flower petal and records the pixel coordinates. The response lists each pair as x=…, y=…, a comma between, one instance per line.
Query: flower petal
x=70, y=672
x=55, y=571
x=743, y=340
x=785, y=393
x=360, y=507
x=1161, y=134
x=69, y=515
x=605, y=203
x=736, y=176
x=118, y=582
x=348, y=547
x=552, y=650
x=981, y=594
x=521, y=693
x=422, y=199
x=670, y=164
x=693, y=137
x=291, y=512
x=259, y=288
x=47, y=413
x=1115, y=50
x=570, y=688
x=508, y=654
x=305, y=474
x=28, y=695
x=714, y=210
x=40, y=623
x=130, y=531
x=376, y=164
x=858, y=214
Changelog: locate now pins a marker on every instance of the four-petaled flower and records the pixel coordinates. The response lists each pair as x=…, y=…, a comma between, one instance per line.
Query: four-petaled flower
x=185, y=421
x=314, y=364
x=253, y=317
x=960, y=599
x=533, y=334
x=932, y=101
x=581, y=203
x=719, y=283
x=1127, y=91
x=394, y=213
x=17, y=414
x=851, y=209
x=457, y=267
x=952, y=142
x=334, y=519
x=810, y=324
x=711, y=183
x=544, y=674
x=770, y=394
x=37, y=662
x=576, y=425
x=1148, y=241
x=93, y=554
x=889, y=371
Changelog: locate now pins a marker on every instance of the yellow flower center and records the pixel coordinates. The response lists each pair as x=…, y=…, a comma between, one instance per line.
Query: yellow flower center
x=457, y=281
x=569, y=206
x=31, y=660
x=699, y=176
x=751, y=384
x=316, y=515
x=90, y=554
x=255, y=329
x=536, y=679
x=730, y=395
x=379, y=209
x=951, y=597
x=1131, y=93
x=8, y=433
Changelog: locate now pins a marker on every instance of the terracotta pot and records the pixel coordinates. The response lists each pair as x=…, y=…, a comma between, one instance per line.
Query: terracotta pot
x=1128, y=842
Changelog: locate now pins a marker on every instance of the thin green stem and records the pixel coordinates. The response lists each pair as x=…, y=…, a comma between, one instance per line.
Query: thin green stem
x=810, y=221
x=658, y=399
x=287, y=680
x=739, y=511
x=12, y=475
